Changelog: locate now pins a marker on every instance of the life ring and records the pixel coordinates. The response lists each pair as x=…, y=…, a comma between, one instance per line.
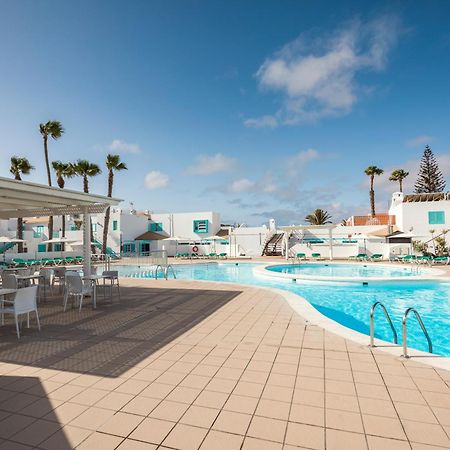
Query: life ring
x=195, y=249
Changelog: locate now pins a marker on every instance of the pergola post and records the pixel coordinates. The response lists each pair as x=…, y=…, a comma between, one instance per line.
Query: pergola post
x=330, y=237
x=86, y=241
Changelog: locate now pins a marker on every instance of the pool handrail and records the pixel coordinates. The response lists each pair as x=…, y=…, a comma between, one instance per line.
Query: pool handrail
x=404, y=333
x=372, y=324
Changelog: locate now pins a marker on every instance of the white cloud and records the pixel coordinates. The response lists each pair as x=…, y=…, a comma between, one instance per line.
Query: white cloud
x=299, y=160
x=261, y=122
x=117, y=145
x=317, y=75
x=209, y=164
x=422, y=139
x=242, y=185
x=156, y=180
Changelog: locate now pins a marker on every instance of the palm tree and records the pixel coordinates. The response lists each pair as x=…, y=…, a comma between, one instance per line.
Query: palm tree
x=113, y=164
x=371, y=171
x=19, y=167
x=55, y=130
x=86, y=169
x=63, y=171
x=318, y=217
x=399, y=175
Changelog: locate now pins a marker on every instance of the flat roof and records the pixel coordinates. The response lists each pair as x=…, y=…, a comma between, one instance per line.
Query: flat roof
x=25, y=199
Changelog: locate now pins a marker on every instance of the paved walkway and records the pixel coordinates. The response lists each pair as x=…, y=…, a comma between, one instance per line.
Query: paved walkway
x=186, y=365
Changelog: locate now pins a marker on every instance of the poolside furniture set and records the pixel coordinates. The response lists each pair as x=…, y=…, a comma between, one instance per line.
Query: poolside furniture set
x=19, y=262
x=424, y=259
x=23, y=288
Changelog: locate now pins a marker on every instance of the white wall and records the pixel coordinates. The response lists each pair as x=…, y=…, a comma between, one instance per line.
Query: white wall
x=413, y=216
x=248, y=241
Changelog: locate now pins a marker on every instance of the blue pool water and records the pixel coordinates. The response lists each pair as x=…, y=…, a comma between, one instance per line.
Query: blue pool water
x=347, y=303
x=347, y=270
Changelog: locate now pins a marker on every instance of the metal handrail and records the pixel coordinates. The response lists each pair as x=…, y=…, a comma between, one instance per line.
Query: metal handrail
x=372, y=324
x=425, y=332
x=165, y=270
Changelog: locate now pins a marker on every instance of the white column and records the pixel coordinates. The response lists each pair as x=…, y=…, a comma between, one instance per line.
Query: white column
x=86, y=242
x=330, y=236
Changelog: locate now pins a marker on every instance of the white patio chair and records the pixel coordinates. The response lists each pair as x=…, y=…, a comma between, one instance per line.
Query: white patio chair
x=113, y=277
x=24, y=303
x=9, y=281
x=59, y=274
x=76, y=289
x=46, y=276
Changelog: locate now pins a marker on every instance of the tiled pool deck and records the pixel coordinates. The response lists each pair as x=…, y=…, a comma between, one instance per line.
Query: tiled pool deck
x=186, y=365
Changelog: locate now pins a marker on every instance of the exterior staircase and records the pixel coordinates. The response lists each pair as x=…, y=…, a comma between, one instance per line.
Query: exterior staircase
x=4, y=247
x=274, y=245
x=109, y=250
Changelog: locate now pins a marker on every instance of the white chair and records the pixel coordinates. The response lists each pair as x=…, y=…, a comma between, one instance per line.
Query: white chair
x=59, y=274
x=9, y=281
x=46, y=276
x=24, y=303
x=75, y=288
x=113, y=277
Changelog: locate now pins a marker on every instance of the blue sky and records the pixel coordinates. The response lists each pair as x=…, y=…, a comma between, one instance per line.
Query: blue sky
x=255, y=109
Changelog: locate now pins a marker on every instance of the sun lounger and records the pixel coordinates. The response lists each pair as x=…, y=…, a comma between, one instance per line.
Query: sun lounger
x=223, y=255
x=376, y=257
x=408, y=259
x=445, y=260
x=300, y=256
x=317, y=257
x=359, y=257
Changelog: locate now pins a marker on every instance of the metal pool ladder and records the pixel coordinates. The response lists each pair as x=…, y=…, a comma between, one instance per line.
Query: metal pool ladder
x=372, y=325
x=165, y=270
x=425, y=332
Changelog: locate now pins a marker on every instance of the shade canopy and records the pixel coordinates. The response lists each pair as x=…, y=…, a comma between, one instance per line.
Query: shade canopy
x=8, y=240
x=60, y=240
x=24, y=199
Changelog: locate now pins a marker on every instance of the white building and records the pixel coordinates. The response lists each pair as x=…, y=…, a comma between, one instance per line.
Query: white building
x=418, y=214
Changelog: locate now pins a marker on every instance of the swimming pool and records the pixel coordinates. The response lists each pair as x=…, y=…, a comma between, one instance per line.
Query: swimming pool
x=348, y=270
x=346, y=303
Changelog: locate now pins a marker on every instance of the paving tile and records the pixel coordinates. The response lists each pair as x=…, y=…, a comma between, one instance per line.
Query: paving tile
x=142, y=406
x=152, y=430
x=168, y=410
x=344, y=440
x=273, y=409
x=426, y=433
x=232, y=422
x=114, y=401
x=66, y=437
x=258, y=444
x=185, y=437
x=37, y=432
x=239, y=403
x=92, y=418
x=130, y=444
x=121, y=424
x=217, y=440
x=310, y=415
x=14, y=423
x=267, y=429
x=379, y=443
x=65, y=413
x=307, y=436
x=383, y=426
x=211, y=399
x=100, y=441
x=200, y=416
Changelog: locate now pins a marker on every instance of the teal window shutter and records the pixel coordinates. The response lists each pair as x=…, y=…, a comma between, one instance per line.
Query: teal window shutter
x=436, y=217
x=114, y=225
x=200, y=226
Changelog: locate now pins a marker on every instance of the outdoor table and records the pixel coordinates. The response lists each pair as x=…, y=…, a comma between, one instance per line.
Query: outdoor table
x=28, y=277
x=4, y=292
x=93, y=280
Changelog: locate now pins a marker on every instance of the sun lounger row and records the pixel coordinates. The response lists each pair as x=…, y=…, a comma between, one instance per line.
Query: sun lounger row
x=18, y=262
x=313, y=257
x=198, y=256
x=425, y=259
x=365, y=257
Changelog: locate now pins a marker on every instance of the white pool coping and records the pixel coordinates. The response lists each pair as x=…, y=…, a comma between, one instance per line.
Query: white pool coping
x=307, y=311
x=429, y=274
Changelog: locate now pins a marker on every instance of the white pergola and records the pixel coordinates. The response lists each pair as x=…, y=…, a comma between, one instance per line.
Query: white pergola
x=24, y=199
x=295, y=228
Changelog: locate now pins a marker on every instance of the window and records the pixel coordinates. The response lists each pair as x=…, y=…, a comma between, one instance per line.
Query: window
x=41, y=248
x=56, y=234
x=57, y=248
x=129, y=248
x=94, y=227
x=200, y=226
x=73, y=227
x=114, y=225
x=155, y=226
x=436, y=217
x=39, y=231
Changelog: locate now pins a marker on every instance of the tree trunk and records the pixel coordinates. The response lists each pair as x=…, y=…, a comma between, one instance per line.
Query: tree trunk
x=63, y=231
x=401, y=184
x=20, y=234
x=49, y=179
x=108, y=213
x=372, y=197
